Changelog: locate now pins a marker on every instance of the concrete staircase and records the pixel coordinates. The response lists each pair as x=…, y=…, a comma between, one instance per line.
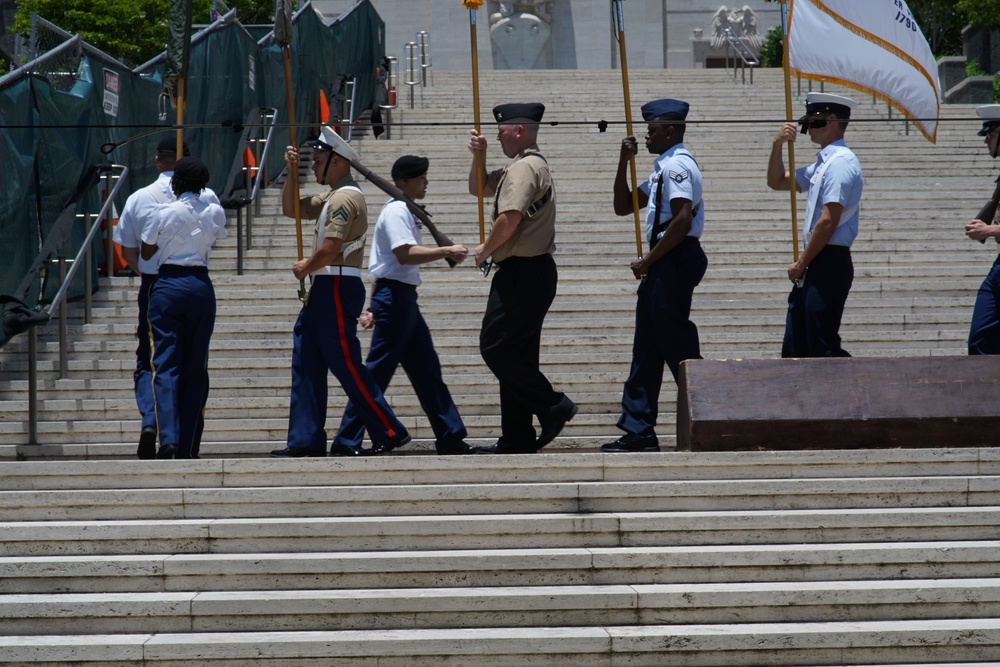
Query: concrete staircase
x=570, y=557
x=800, y=558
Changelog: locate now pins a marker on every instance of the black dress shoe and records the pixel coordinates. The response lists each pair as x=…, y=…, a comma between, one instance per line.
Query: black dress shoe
x=147, y=444
x=295, y=453
x=553, y=424
x=346, y=450
x=383, y=447
x=452, y=448
x=632, y=442
x=166, y=452
x=504, y=447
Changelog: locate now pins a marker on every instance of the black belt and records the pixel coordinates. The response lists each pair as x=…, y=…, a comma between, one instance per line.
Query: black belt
x=180, y=270
x=839, y=249
x=388, y=282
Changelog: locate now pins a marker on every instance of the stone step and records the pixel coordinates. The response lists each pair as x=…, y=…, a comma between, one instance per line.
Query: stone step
x=503, y=497
x=499, y=607
x=544, y=467
x=541, y=468
x=558, y=566
x=923, y=641
x=598, y=529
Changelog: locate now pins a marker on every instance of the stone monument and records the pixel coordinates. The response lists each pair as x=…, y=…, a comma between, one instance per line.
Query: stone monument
x=521, y=34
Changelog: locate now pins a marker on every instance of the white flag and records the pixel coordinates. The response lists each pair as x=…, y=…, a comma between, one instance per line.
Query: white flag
x=870, y=45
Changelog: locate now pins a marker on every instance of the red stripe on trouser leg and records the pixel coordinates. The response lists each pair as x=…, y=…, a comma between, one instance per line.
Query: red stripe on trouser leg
x=348, y=362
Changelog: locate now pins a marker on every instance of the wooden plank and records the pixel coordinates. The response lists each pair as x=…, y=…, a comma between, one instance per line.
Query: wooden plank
x=839, y=403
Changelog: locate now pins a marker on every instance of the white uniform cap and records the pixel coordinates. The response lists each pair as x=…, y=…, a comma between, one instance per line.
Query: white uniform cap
x=329, y=140
x=828, y=99
x=990, y=113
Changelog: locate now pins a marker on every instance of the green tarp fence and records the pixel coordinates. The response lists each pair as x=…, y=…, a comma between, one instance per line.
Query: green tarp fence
x=51, y=133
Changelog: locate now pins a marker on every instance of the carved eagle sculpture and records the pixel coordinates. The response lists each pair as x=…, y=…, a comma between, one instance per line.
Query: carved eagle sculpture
x=720, y=23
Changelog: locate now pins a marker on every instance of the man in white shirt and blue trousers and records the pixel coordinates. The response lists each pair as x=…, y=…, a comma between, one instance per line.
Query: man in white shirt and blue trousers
x=138, y=210
x=823, y=274
x=401, y=336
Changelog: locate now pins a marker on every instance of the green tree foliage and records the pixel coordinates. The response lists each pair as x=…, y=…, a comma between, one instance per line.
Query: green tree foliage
x=133, y=31
x=771, y=52
x=941, y=22
x=981, y=13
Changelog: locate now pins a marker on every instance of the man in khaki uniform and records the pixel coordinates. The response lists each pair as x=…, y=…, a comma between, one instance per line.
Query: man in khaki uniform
x=326, y=332
x=521, y=243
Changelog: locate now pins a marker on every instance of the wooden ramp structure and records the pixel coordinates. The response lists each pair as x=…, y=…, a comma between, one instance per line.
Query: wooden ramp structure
x=838, y=403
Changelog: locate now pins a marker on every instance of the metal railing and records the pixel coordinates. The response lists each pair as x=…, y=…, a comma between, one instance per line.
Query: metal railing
x=59, y=300
x=413, y=73
x=253, y=177
x=349, y=105
x=424, y=41
x=742, y=53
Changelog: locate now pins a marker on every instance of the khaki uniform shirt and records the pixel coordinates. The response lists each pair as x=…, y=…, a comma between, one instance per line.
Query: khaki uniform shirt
x=519, y=185
x=340, y=213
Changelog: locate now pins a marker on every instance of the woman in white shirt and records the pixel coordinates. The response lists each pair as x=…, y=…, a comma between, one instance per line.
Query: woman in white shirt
x=179, y=239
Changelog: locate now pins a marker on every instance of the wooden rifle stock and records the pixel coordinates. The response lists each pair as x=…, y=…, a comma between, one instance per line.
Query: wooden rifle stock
x=417, y=210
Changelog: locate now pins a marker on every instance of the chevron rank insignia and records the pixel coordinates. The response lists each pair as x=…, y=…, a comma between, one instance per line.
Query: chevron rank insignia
x=342, y=214
x=679, y=176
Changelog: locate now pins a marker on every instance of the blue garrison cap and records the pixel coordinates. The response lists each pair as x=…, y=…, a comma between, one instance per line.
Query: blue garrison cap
x=505, y=113
x=656, y=108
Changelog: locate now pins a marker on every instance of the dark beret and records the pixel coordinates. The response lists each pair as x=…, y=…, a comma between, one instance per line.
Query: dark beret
x=505, y=113
x=169, y=145
x=653, y=110
x=192, y=170
x=410, y=166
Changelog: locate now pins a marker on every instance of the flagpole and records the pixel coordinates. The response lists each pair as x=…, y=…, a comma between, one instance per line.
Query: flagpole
x=473, y=6
x=620, y=20
x=788, y=114
x=180, y=81
x=293, y=174
x=283, y=33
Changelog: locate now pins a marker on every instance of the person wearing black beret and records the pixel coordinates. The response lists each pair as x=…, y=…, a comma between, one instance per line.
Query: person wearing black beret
x=984, y=333
x=139, y=207
x=401, y=336
x=824, y=271
x=178, y=241
x=521, y=242
x=669, y=271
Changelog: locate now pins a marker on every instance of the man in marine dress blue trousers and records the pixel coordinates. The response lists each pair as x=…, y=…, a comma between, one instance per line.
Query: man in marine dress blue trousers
x=325, y=337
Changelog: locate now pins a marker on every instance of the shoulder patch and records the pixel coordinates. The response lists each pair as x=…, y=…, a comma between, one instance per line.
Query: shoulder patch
x=679, y=176
x=340, y=214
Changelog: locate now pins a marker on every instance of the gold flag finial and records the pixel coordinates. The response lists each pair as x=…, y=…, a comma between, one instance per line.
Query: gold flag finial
x=473, y=4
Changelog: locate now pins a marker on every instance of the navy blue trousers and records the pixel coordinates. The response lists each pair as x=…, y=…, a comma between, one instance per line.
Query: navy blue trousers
x=181, y=319
x=812, y=326
x=984, y=334
x=664, y=332
x=326, y=341
x=143, y=374
x=520, y=295
x=401, y=338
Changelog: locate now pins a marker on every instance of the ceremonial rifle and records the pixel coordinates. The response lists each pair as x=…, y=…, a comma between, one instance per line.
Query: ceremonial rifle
x=415, y=208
